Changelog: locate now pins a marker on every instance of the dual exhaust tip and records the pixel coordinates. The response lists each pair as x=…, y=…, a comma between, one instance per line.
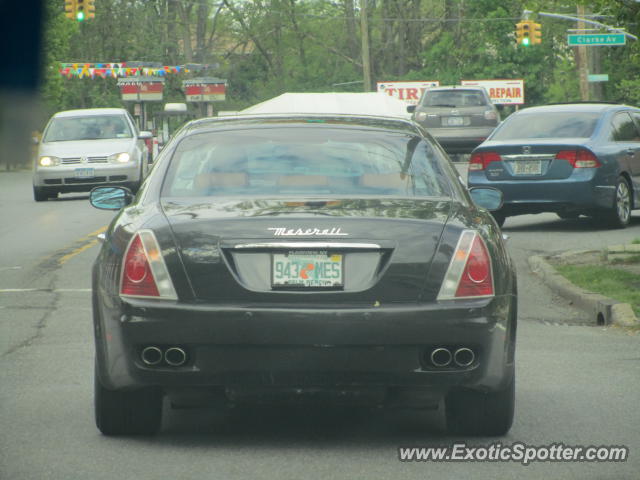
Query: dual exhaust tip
x=443, y=357
x=173, y=356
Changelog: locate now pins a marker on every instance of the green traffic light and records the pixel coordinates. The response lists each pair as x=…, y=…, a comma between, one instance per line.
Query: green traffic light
x=525, y=41
x=80, y=16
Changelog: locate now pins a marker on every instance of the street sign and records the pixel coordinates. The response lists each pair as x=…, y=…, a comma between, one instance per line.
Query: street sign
x=595, y=77
x=596, y=39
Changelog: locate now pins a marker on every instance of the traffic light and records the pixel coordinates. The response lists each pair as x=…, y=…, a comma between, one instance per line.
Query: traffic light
x=80, y=10
x=70, y=9
x=523, y=33
x=536, y=34
x=90, y=9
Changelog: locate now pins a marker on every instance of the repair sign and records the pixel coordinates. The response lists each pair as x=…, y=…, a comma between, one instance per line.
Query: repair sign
x=503, y=92
x=409, y=92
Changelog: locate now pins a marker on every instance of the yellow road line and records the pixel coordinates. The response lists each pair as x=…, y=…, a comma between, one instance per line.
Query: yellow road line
x=97, y=232
x=68, y=256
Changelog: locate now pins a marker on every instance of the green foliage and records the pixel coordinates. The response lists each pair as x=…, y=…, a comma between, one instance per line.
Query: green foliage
x=611, y=282
x=268, y=47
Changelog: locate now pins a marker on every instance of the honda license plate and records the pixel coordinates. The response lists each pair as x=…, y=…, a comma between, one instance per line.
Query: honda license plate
x=527, y=167
x=307, y=270
x=84, y=173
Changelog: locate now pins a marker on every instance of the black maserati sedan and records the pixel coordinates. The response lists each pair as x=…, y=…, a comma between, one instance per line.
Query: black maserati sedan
x=293, y=258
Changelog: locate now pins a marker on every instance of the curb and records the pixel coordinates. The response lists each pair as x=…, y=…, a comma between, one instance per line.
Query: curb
x=604, y=310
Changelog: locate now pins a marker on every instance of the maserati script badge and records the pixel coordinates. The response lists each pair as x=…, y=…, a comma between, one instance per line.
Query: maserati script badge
x=301, y=232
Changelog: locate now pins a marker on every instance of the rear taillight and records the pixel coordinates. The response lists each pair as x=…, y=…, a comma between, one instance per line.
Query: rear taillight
x=490, y=115
x=470, y=272
x=144, y=273
x=481, y=160
x=579, y=158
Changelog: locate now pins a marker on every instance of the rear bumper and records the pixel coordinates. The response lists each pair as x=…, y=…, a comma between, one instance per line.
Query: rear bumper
x=521, y=196
x=269, y=348
x=460, y=140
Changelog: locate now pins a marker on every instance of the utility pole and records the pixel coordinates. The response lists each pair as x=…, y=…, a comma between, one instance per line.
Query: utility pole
x=583, y=60
x=364, y=30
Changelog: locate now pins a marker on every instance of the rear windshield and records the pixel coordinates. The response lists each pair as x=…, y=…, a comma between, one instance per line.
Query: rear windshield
x=303, y=161
x=547, y=125
x=93, y=127
x=453, y=98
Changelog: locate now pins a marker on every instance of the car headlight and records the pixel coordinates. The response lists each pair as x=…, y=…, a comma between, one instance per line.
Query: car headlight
x=421, y=116
x=48, y=161
x=120, y=158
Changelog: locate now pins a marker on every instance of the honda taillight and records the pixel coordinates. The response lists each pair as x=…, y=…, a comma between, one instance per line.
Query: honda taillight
x=481, y=160
x=470, y=272
x=144, y=273
x=579, y=158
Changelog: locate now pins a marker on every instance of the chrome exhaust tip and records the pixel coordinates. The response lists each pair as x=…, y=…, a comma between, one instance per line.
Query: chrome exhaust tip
x=175, y=356
x=440, y=357
x=151, y=356
x=464, y=357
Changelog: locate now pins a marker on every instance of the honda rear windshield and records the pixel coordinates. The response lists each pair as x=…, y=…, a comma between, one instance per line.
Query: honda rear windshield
x=303, y=161
x=453, y=98
x=547, y=125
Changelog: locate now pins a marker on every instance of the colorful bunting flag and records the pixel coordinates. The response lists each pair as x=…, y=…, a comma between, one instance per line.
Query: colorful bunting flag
x=115, y=70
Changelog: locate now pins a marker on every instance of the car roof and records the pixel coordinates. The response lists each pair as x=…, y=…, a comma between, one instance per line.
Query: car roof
x=87, y=112
x=575, y=107
x=263, y=120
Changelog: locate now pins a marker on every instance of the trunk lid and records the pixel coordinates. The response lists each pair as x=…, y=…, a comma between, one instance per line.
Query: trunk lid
x=383, y=247
x=531, y=160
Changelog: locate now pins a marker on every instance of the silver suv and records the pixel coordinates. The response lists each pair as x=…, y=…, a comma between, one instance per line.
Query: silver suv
x=459, y=117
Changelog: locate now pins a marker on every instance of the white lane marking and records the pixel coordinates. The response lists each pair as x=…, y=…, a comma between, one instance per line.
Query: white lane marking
x=51, y=290
x=10, y=268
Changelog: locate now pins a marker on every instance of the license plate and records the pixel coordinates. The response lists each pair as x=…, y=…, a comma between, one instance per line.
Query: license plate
x=528, y=167
x=455, y=121
x=307, y=269
x=84, y=172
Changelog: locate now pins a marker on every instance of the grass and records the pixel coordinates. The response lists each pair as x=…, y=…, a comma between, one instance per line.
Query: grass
x=610, y=282
x=629, y=259
x=635, y=241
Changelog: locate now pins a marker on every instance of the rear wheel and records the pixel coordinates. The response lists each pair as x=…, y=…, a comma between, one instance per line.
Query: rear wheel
x=476, y=413
x=619, y=215
x=127, y=412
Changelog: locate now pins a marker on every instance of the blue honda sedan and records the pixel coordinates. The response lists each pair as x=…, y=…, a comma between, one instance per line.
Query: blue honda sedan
x=571, y=159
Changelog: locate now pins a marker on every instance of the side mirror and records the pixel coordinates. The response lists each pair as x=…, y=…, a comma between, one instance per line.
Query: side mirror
x=145, y=135
x=110, y=198
x=487, y=197
x=411, y=108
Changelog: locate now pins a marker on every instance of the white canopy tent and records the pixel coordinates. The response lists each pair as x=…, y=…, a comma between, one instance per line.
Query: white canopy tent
x=365, y=103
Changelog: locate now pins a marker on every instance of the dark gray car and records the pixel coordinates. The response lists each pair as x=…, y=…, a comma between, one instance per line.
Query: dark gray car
x=303, y=257
x=460, y=118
